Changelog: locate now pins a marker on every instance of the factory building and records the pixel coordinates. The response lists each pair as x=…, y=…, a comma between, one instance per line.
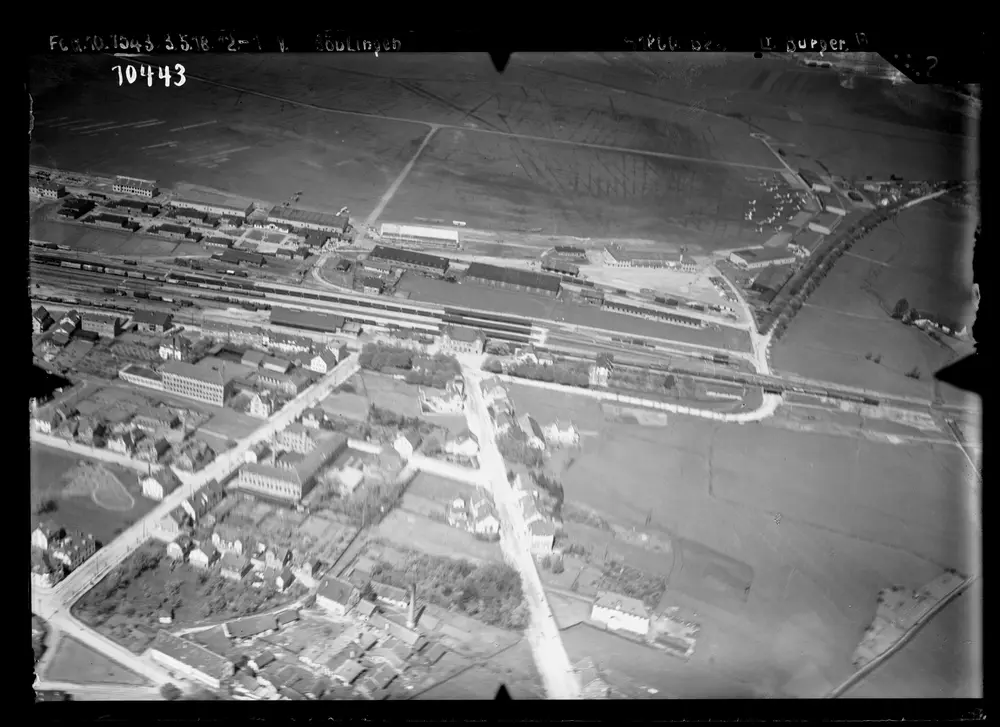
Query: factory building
x=74, y=208
x=513, y=279
x=134, y=208
x=176, y=232
x=409, y=260
x=118, y=222
x=46, y=190
x=290, y=476
x=298, y=218
x=825, y=223
x=416, y=235
x=617, y=257
x=233, y=211
x=560, y=267
x=136, y=187
x=187, y=214
x=201, y=383
x=813, y=180
x=308, y=320
x=761, y=257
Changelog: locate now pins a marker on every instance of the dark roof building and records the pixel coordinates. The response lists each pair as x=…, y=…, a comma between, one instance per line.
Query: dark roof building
x=410, y=259
x=513, y=278
x=558, y=266
x=152, y=318
x=309, y=320
x=239, y=257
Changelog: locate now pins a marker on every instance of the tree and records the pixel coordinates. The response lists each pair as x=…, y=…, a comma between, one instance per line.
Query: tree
x=546, y=562
x=878, y=358
x=868, y=356
x=913, y=373
x=557, y=566
x=901, y=308
x=42, y=505
x=170, y=692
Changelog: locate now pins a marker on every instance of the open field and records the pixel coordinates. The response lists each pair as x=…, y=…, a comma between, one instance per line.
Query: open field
x=855, y=516
x=417, y=531
x=386, y=392
x=943, y=660
x=79, y=510
x=635, y=668
x=86, y=238
x=535, y=306
x=925, y=258
x=243, y=144
x=76, y=662
x=230, y=424
x=439, y=489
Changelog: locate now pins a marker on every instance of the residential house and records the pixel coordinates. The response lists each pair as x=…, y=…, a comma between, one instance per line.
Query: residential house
x=494, y=394
x=74, y=549
x=235, y=567
x=391, y=595
x=47, y=534
x=68, y=428
x=284, y=580
x=159, y=484
x=543, y=535
x=46, y=420
x=205, y=499
x=180, y=547
x=313, y=418
x=485, y=522
x=152, y=449
x=123, y=443
x=559, y=434
x=279, y=365
x=260, y=452
x=288, y=343
x=463, y=444
x=151, y=321
x=230, y=539
x=378, y=679
x=292, y=383
x=349, y=478
x=324, y=362
x=166, y=616
x=617, y=611
x=176, y=348
x=257, y=663
x=532, y=431
x=297, y=438
x=349, y=671
x=261, y=405
x=203, y=556
x=174, y=522
x=365, y=609
x=191, y=659
x=406, y=444
x=506, y=424
x=91, y=431
x=40, y=320
x=336, y=596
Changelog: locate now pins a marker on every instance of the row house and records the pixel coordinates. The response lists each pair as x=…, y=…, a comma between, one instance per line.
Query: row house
x=288, y=343
x=152, y=419
x=74, y=549
x=292, y=383
x=230, y=539
x=297, y=438
x=199, y=504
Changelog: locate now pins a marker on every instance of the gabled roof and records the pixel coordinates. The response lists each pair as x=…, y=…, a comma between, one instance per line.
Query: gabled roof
x=151, y=317
x=336, y=590
x=329, y=357
x=194, y=655
x=167, y=479
x=251, y=626
x=621, y=603
x=207, y=548
x=40, y=313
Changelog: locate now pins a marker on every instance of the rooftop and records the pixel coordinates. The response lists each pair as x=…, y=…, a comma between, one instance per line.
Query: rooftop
x=621, y=603
x=239, y=256
x=251, y=626
x=294, y=214
x=207, y=374
x=151, y=317
x=514, y=276
x=295, y=318
x=395, y=254
x=336, y=590
x=195, y=656
x=303, y=469
x=620, y=253
x=766, y=253
x=464, y=333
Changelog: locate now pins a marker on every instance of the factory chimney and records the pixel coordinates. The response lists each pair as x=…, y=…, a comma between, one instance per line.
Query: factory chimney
x=411, y=616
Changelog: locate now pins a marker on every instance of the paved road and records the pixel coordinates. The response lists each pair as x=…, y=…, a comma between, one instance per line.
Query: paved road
x=102, y=692
x=543, y=633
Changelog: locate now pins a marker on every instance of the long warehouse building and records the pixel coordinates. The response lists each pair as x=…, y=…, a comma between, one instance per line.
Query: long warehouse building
x=410, y=260
x=300, y=218
x=514, y=279
x=407, y=235
x=309, y=320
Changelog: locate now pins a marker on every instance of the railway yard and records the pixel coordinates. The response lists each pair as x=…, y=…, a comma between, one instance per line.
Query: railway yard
x=712, y=503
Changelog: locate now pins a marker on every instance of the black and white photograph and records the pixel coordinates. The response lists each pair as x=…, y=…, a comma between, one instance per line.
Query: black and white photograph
x=363, y=371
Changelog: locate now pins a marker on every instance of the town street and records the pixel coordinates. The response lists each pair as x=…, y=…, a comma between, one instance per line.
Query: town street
x=53, y=604
x=543, y=633
x=82, y=450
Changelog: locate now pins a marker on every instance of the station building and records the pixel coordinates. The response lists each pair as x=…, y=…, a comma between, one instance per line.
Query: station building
x=233, y=211
x=514, y=279
x=652, y=314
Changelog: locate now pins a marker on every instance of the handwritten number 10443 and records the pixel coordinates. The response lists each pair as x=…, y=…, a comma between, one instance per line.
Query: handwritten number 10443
x=131, y=74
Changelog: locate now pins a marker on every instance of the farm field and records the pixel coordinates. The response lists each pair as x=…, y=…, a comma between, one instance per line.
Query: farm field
x=485, y=298
x=411, y=530
x=76, y=509
x=224, y=140
x=635, y=669
x=816, y=570
x=941, y=661
x=76, y=662
x=924, y=257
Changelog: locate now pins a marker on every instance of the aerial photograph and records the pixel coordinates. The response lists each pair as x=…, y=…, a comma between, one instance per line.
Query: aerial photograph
x=607, y=375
